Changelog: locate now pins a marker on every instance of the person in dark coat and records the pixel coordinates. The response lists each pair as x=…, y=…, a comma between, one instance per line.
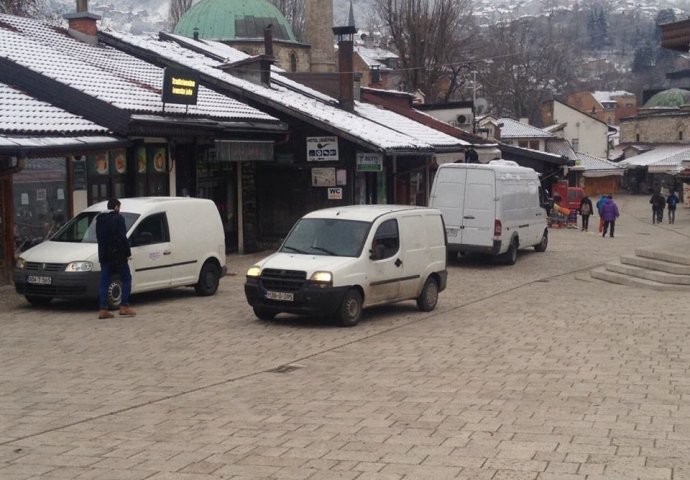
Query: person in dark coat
x=658, y=203
x=609, y=212
x=113, y=255
x=672, y=201
x=586, y=210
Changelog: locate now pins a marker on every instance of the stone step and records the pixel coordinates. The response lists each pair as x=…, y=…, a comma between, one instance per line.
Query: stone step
x=652, y=264
x=653, y=275
x=664, y=255
x=602, y=273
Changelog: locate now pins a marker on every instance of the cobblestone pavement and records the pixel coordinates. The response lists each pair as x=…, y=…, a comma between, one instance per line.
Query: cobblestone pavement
x=533, y=371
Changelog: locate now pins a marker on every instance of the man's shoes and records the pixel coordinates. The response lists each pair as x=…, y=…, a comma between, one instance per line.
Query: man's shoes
x=103, y=313
x=126, y=311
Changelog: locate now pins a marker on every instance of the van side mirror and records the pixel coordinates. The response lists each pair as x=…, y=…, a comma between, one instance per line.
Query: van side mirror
x=144, y=238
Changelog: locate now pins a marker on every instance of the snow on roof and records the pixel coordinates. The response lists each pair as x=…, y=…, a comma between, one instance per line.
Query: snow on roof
x=21, y=113
x=54, y=142
x=561, y=146
x=292, y=98
x=597, y=166
x=514, y=129
x=662, y=159
x=607, y=97
x=375, y=56
x=105, y=73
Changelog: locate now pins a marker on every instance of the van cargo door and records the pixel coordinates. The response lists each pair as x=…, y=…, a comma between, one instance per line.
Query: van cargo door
x=480, y=208
x=448, y=195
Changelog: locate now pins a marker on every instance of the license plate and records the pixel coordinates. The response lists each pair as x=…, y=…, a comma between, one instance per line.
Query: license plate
x=451, y=232
x=36, y=280
x=281, y=296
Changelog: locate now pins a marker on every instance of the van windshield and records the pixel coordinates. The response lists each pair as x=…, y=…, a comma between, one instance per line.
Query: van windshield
x=327, y=236
x=82, y=228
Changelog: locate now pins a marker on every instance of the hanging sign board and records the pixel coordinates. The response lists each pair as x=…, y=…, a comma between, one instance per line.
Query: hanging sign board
x=369, y=162
x=322, y=149
x=180, y=86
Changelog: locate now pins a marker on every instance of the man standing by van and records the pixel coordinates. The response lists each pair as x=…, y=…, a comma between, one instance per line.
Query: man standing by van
x=113, y=254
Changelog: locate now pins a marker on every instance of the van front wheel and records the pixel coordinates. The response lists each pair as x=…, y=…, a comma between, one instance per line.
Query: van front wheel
x=208, y=280
x=426, y=301
x=541, y=246
x=350, y=309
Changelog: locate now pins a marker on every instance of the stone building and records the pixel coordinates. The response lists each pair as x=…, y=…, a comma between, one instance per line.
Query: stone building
x=605, y=106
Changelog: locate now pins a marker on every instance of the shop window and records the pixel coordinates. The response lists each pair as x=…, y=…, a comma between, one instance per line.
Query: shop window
x=107, y=175
x=152, y=171
x=40, y=200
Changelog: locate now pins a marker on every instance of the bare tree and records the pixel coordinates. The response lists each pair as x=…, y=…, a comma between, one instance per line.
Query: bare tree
x=524, y=64
x=24, y=8
x=427, y=35
x=177, y=9
x=294, y=12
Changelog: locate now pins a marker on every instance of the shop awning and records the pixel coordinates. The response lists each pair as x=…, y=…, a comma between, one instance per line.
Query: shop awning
x=35, y=146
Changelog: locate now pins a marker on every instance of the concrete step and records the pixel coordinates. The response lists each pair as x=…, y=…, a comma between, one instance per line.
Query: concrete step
x=653, y=275
x=652, y=264
x=602, y=273
x=667, y=256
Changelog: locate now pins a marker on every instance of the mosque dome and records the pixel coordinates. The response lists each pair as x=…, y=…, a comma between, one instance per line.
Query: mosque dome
x=673, y=97
x=234, y=20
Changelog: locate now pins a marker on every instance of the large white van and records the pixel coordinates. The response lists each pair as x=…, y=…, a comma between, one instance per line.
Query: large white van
x=490, y=208
x=336, y=261
x=175, y=241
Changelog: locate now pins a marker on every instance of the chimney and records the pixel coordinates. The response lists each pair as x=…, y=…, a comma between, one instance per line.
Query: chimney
x=82, y=23
x=267, y=59
x=195, y=33
x=346, y=62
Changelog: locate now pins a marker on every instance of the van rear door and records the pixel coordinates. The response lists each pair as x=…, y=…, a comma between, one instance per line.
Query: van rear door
x=479, y=213
x=448, y=195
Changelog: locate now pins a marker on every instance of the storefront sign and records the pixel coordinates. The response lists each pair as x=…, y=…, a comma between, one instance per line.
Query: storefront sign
x=180, y=86
x=369, y=162
x=335, y=193
x=234, y=151
x=322, y=149
x=323, y=177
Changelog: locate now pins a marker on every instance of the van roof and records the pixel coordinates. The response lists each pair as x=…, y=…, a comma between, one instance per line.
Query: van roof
x=144, y=204
x=364, y=213
x=497, y=165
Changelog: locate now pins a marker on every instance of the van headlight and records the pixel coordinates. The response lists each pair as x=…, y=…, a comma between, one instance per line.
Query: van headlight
x=322, y=279
x=79, y=267
x=254, y=272
x=21, y=264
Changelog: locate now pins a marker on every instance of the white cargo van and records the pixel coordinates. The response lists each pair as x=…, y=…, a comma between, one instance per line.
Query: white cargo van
x=339, y=260
x=175, y=242
x=493, y=208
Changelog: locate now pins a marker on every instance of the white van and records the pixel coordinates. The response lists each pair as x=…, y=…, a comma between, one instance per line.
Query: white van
x=175, y=242
x=493, y=208
x=336, y=261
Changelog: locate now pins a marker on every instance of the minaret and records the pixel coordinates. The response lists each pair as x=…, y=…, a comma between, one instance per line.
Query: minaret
x=319, y=34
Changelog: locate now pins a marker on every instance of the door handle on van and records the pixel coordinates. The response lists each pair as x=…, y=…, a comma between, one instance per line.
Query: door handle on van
x=468, y=217
x=166, y=252
x=398, y=262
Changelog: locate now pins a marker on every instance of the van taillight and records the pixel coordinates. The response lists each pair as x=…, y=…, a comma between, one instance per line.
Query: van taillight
x=498, y=228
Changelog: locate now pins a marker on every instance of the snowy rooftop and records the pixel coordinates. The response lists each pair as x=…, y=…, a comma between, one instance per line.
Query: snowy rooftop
x=662, y=159
x=597, y=166
x=365, y=126
x=514, y=129
x=374, y=56
x=606, y=97
x=560, y=146
x=23, y=114
x=105, y=73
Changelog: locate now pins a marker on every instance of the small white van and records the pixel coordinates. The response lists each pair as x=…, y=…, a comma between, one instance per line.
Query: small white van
x=337, y=261
x=490, y=208
x=175, y=242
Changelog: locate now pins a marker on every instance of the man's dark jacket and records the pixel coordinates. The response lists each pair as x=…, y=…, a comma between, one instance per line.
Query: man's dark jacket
x=111, y=233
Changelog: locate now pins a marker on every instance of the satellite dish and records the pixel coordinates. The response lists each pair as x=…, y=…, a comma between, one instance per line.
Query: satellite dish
x=481, y=106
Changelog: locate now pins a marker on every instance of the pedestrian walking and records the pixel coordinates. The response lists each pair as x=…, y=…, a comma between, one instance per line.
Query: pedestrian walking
x=599, y=204
x=672, y=201
x=586, y=209
x=609, y=212
x=113, y=255
x=658, y=203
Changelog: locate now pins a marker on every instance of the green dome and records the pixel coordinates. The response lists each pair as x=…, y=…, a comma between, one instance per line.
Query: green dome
x=234, y=20
x=673, y=97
